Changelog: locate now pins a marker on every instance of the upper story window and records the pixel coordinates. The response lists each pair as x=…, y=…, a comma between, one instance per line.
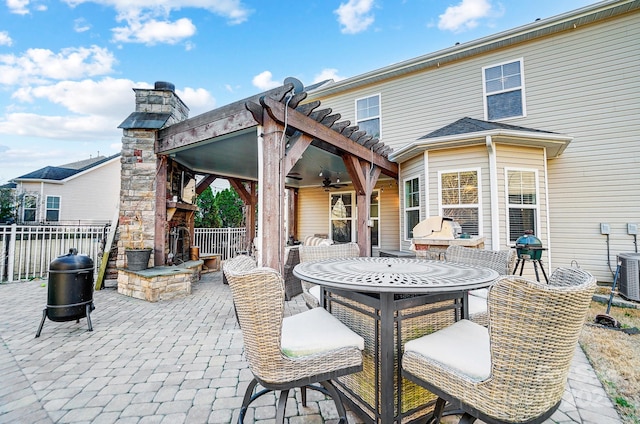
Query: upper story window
x=29, y=205
x=53, y=208
x=368, y=115
x=504, y=90
x=522, y=198
x=411, y=206
x=460, y=199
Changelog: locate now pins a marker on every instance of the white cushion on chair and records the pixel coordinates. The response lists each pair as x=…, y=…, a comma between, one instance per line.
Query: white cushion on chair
x=314, y=331
x=479, y=293
x=315, y=292
x=477, y=305
x=462, y=347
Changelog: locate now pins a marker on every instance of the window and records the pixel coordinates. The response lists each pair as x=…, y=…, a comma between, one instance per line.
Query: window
x=460, y=199
x=29, y=204
x=522, y=198
x=411, y=206
x=342, y=219
x=368, y=115
x=374, y=214
x=53, y=208
x=504, y=91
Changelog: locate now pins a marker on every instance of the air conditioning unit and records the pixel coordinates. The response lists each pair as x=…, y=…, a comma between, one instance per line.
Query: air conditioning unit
x=629, y=278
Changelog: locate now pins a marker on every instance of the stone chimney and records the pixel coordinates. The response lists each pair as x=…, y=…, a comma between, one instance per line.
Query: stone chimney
x=156, y=108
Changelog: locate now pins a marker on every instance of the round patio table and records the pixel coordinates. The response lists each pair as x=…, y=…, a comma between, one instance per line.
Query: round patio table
x=390, y=301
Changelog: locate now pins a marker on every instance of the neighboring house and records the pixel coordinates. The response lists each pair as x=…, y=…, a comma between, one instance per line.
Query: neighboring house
x=534, y=128
x=85, y=192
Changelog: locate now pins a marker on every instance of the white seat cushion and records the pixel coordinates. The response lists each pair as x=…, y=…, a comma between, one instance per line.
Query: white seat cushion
x=315, y=331
x=479, y=293
x=462, y=347
x=477, y=305
x=315, y=292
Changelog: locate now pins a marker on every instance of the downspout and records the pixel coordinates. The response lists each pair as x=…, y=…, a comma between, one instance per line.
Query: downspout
x=493, y=187
x=546, y=197
x=41, y=204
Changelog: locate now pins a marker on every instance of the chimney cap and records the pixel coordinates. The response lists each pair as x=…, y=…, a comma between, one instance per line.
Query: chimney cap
x=164, y=85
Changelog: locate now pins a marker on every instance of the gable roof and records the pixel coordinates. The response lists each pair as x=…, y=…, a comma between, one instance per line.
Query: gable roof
x=468, y=132
x=62, y=172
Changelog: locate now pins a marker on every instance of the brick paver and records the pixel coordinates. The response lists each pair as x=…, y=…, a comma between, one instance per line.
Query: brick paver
x=168, y=362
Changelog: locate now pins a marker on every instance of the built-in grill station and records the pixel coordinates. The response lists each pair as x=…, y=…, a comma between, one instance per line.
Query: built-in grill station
x=432, y=237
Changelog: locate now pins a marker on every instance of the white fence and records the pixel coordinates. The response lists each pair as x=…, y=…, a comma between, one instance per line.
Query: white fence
x=27, y=250
x=226, y=242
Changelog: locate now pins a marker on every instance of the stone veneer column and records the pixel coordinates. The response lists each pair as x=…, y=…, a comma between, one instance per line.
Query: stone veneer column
x=139, y=166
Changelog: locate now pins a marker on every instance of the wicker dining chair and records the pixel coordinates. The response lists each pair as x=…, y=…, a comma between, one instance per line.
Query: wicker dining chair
x=238, y=263
x=501, y=261
x=311, y=292
x=515, y=370
x=306, y=350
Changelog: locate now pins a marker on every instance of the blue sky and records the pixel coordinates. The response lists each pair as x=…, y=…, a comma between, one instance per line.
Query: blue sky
x=67, y=68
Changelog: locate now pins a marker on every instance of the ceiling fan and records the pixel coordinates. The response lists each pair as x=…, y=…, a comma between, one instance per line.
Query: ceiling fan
x=294, y=176
x=327, y=184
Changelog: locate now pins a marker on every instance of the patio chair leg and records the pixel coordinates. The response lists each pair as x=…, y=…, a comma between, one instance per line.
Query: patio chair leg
x=436, y=416
x=248, y=397
x=282, y=405
x=303, y=393
x=467, y=419
x=331, y=389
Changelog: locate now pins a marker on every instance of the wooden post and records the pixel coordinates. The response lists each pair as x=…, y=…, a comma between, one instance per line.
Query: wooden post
x=271, y=180
x=160, y=233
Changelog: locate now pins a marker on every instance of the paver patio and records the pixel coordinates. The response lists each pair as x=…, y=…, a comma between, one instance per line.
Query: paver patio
x=177, y=361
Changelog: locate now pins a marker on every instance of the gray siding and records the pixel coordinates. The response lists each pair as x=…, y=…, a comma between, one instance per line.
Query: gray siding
x=583, y=82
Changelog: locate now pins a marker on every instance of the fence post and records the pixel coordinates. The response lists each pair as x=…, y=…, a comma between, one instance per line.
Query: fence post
x=12, y=251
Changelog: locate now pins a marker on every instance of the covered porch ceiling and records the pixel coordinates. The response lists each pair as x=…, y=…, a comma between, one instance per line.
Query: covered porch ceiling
x=224, y=141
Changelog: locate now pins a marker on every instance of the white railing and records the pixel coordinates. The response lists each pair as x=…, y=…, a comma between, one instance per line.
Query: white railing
x=226, y=242
x=27, y=250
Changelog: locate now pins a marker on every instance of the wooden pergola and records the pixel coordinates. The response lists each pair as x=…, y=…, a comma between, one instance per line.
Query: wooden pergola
x=255, y=143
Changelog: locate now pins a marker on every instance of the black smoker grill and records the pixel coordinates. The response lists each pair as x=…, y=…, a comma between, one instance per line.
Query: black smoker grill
x=529, y=247
x=70, y=289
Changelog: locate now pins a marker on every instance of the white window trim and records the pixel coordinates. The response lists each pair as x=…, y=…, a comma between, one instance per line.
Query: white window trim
x=466, y=205
x=354, y=214
x=379, y=116
x=35, y=208
x=379, y=193
x=405, y=234
x=522, y=89
x=508, y=205
x=47, y=209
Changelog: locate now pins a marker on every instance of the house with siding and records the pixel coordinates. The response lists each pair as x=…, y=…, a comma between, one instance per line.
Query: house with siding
x=85, y=192
x=533, y=128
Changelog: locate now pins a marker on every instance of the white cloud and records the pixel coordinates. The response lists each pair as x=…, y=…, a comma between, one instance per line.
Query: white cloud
x=354, y=16
x=198, y=100
x=108, y=97
x=39, y=65
x=464, y=16
x=151, y=32
x=264, y=81
x=66, y=128
x=5, y=40
x=233, y=10
x=19, y=7
x=326, y=74
x=81, y=25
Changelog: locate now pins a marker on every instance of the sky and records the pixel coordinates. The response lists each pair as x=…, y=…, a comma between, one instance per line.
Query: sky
x=67, y=68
